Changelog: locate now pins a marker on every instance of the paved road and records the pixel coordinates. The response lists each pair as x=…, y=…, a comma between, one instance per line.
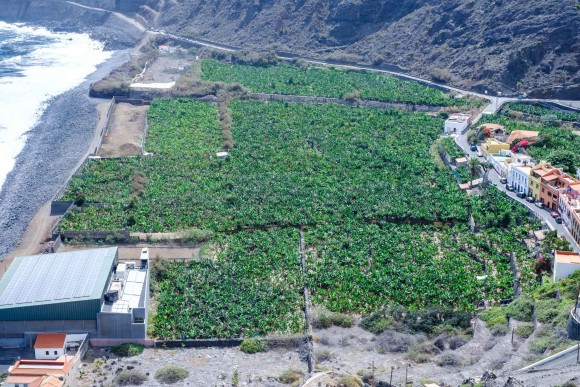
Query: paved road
x=461, y=141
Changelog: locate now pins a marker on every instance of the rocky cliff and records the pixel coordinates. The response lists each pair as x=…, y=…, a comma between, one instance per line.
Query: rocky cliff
x=511, y=46
x=498, y=45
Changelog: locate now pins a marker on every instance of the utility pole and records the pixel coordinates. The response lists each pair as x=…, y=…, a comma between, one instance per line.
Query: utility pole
x=373, y=383
x=406, y=372
x=391, y=379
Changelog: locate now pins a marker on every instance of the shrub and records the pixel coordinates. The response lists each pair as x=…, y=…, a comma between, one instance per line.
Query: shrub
x=127, y=349
x=448, y=359
x=349, y=381
x=171, y=374
x=494, y=316
x=290, y=376
x=254, y=346
x=456, y=342
x=499, y=330
x=524, y=329
x=342, y=320
x=376, y=323
x=130, y=378
x=323, y=355
x=521, y=309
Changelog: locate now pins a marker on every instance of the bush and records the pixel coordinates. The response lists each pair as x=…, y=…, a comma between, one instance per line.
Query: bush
x=323, y=355
x=130, y=378
x=521, y=309
x=323, y=319
x=290, y=376
x=349, y=381
x=524, y=329
x=499, y=330
x=456, y=342
x=376, y=323
x=448, y=359
x=342, y=320
x=494, y=316
x=171, y=374
x=254, y=346
x=127, y=349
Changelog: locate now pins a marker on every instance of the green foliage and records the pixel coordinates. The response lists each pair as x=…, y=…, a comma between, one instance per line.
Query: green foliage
x=350, y=381
x=524, y=329
x=291, y=376
x=521, y=309
x=128, y=349
x=130, y=378
x=252, y=288
x=293, y=164
x=377, y=323
x=323, y=319
x=494, y=316
x=540, y=111
x=254, y=346
x=449, y=146
x=171, y=374
x=326, y=82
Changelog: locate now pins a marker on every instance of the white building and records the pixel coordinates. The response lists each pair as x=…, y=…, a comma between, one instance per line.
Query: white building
x=519, y=172
x=565, y=263
x=457, y=123
x=50, y=346
x=501, y=161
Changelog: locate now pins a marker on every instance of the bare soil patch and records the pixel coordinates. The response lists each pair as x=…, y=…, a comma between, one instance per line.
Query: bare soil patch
x=125, y=132
x=207, y=366
x=134, y=252
x=168, y=66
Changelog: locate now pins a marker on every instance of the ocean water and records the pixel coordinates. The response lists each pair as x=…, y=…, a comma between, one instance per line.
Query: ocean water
x=36, y=65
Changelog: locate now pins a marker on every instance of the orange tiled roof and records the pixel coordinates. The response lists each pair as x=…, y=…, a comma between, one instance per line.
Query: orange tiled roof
x=567, y=257
x=517, y=134
x=51, y=381
x=50, y=340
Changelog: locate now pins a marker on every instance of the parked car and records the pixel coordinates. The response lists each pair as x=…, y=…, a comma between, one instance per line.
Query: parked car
x=473, y=148
x=530, y=199
x=479, y=154
x=558, y=220
x=539, y=204
x=521, y=195
x=554, y=214
x=509, y=187
x=503, y=180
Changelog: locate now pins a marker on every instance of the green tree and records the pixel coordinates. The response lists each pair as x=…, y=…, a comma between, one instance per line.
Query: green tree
x=474, y=167
x=486, y=166
x=564, y=158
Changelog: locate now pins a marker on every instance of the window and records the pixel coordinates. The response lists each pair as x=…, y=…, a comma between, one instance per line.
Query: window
x=543, y=190
x=56, y=352
x=549, y=194
x=47, y=352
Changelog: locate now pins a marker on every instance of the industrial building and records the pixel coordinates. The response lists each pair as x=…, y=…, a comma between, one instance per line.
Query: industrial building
x=86, y=291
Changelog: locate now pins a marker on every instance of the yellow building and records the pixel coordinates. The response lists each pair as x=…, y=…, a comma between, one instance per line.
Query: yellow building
x=542, y=169
x=491, y=145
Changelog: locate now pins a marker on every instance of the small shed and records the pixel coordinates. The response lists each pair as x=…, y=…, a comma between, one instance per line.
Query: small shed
x=457, y=123
x=565, y=263
x=50, y=346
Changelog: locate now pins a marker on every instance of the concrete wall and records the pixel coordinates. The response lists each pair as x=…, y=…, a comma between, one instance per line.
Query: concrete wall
x=48, y=353
x=120, y=326
x=564, y=270
x=19, y=328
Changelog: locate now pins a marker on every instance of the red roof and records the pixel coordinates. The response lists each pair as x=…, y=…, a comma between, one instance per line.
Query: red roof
x=50, y=340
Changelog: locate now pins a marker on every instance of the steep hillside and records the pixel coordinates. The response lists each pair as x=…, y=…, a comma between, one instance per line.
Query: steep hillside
x=512, y=46
x=501, y=45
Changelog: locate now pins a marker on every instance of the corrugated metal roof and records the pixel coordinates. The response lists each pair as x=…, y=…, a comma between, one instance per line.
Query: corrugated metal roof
x=56, y=278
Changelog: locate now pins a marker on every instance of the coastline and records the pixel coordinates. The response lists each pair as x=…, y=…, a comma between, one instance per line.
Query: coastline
x=56, y=145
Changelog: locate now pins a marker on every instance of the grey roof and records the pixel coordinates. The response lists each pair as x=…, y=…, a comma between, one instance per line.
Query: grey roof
x=54, y=278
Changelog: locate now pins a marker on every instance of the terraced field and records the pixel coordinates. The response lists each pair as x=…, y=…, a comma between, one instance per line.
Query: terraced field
x=327, y=82
x=384, y=223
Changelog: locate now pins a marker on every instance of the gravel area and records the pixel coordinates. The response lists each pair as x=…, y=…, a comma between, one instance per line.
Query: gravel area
x=53, y=150
x=207, y=366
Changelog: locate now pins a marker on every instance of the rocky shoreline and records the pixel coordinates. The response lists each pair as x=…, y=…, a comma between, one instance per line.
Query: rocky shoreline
x=54, y=147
